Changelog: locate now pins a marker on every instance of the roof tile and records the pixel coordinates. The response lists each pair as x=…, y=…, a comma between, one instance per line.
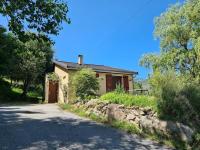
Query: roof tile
x=98, y=68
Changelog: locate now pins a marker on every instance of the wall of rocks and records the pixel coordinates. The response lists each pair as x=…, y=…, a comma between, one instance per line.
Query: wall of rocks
x=145, y=118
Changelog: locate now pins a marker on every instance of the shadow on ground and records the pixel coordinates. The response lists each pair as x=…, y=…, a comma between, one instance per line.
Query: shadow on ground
x=17, y=131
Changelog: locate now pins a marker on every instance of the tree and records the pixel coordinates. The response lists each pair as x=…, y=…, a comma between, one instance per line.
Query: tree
x=26, y=61
x=178, y=31
x=85, y=83
x=43, y=16
x=31, y=62
x=27, y=55
x=151, y=61
x=8, y=43
x=177, y=67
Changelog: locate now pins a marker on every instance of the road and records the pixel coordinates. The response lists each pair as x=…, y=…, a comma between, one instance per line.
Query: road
x=45, y=126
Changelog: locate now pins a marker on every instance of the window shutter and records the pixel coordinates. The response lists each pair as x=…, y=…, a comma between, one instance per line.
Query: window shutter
x=109, y=83
x=97, y=75
x=126, y=83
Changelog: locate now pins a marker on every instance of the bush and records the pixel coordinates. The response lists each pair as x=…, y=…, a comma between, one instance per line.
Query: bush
x=119, y=89
x=85, y=83
x=189, y=102
x=165, y=88
x=178, y=99
x=53, y=77
x=130, y=100
x=10, y=94
x=192, y=92
x=158, y=81
x=196, y=142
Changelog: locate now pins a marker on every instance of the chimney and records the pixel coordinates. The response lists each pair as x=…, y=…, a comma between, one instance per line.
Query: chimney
x=80, y=59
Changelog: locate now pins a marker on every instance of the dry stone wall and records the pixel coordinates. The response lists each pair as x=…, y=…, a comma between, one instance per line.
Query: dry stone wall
x=145, y=118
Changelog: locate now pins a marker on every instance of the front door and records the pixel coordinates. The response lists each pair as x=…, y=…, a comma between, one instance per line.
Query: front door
x=53, y=92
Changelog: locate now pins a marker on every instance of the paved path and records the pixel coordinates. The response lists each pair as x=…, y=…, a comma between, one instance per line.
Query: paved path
x=38, y=127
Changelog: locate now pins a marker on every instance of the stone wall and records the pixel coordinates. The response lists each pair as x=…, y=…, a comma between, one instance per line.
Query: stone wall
x=145, y=118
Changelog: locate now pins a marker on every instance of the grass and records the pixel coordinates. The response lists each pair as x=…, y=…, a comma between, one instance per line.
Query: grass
x=9, y=94
x=82, y=112
x=130, y=100
x=133, y=128
x=125, y=126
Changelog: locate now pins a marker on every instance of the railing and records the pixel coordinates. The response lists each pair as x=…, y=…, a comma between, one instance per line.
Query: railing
x=139, y=91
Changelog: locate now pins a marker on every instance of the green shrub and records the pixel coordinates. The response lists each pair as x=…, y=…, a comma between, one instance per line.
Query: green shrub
x=10, y=94
x=159, y=80
x=178, y=98
x=196, y=142
x=53, y=77
x=128, y=127
x=119, y=89
x=130, y=100
x=192, y=93
x=85, y=83
x=189, y=102
x=167, y=86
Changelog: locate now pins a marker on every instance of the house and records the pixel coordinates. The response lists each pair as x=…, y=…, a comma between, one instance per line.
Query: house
x=108, y=77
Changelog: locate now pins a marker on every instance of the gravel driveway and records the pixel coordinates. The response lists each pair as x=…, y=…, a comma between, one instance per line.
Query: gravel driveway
x=38, y=127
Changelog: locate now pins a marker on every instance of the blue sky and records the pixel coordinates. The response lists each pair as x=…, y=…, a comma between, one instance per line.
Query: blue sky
x=110, y=32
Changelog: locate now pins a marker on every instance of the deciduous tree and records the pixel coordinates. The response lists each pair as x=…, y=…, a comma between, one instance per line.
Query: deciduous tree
x=31, y=62
x=8, y=43
x=178, y=31
x=42, y=16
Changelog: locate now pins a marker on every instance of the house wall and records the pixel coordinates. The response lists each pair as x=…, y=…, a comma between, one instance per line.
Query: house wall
x=65, y=75
x=130, y=79
x=102, y=82
x=64, y=80
x=46, y=89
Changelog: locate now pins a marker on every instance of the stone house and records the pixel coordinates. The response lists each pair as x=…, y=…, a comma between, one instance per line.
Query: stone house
x=108, y=77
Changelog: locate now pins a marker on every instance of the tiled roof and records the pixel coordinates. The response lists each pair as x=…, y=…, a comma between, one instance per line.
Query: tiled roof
x=97, y=68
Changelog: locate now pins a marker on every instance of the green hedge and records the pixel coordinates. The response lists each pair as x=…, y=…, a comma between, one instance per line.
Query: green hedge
x=130, y=100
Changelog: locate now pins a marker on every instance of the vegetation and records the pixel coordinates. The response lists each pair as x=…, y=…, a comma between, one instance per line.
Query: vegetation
x=25, y=57
x=130, y=100
x=177, y=98
x=42, y=17
x=178, y=32
x=82, y=112
x=85, y=84
x=31, y=62
x=24, y=61
x=12, y=94
x=131, y=128
x=53, y=77
x=125, y=126
x=7, y=45
x=196, y=143
x=138, y=84
x=175, y=80
x=26, y=51
x=119, y=89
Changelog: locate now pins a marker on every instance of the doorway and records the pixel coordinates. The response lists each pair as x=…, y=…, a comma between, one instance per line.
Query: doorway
x=116, y=80
x=53, y=92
